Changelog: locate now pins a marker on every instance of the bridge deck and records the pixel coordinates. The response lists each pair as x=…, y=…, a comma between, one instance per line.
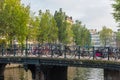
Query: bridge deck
x=61, y=62
x=63, y=56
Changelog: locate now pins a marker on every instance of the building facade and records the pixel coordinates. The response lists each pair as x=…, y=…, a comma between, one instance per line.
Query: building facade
x=95, y=39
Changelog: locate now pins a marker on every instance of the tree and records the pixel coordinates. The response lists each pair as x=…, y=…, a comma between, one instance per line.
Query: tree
x=53, y=30
x=1, y=4
x=13, y=20
x=76, y=32
x=105, y=36
x=2, y=30
x=65, y=33
x=116, y=13
x=87, y=37
x=61, y=24
x=118, y=39
x=47, y=29
x=33, y=28
x=81, y=34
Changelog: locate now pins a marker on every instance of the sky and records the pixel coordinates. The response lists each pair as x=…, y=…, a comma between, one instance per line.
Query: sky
x=93, y=13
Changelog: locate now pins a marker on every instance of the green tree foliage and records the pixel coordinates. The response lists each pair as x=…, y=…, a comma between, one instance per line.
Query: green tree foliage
x=33, y=28
x=118, y=38
x=16, y=23
x=81, y=34
x=53, y=31
x=1, y=4
x=13, y=20
x=65, y=33
x=76, y=32
x=87, y=37
x=105, y=36
x=47, y=29
x=116, y=7
x=116, y=15
x=1, y=22
x=61, y=24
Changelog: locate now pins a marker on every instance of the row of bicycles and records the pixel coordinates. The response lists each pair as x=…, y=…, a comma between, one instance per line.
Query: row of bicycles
x=60, y=50
x=44, y=50
x=108, y=52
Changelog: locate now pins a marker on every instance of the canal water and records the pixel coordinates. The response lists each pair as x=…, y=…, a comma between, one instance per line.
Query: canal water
x=87, y=74
x=74, y=74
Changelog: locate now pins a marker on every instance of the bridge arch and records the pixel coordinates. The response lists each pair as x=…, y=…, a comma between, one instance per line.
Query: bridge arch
x=2, y=69
x=48, y=72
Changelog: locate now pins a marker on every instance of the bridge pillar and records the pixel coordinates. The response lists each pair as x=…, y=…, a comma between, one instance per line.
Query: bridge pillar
x=37, y=74
x=111, y=74
x=56, y=73
x=2, y=68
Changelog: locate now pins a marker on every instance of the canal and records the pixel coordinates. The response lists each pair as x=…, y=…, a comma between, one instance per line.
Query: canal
x=13, y=73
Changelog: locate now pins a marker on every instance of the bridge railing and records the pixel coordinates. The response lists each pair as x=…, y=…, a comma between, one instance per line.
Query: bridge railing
x=60, y=51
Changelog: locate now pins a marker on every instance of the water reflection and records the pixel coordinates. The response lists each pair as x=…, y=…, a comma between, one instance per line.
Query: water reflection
x=89, y=74
x=96, y=74
x=17, y=74
x=74, y=74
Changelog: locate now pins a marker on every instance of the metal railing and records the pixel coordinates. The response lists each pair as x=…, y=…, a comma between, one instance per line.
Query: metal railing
x=60, y=51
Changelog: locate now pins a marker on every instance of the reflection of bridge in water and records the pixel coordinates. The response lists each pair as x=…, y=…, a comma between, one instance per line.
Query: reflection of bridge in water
x=50, y=61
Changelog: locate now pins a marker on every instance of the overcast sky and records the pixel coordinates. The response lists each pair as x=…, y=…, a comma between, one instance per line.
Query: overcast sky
x=93, y=13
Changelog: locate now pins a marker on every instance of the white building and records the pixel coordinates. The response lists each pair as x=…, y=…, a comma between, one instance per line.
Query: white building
x=95, y=39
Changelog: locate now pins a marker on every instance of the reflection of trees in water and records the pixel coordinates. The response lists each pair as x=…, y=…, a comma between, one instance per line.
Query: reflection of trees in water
x=96, y=74
x=88, y=74
x=81, y=74
x=17, y=74
x=10, y=78
x=21, y=74
x=73, y=74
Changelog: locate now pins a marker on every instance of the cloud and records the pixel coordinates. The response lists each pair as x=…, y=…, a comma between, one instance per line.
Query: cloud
x=93, y=13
